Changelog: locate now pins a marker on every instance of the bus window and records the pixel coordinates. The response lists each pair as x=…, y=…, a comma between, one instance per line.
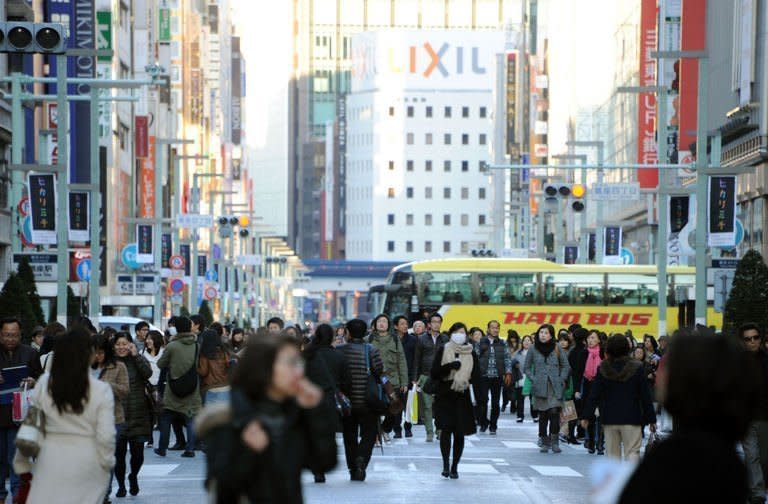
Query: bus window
x=500, y=288
x=558, y=288
x=588, y=289
x=632, y=289
x=449, y=287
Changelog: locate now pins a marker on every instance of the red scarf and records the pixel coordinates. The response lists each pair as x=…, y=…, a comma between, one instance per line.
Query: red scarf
x=593, y=362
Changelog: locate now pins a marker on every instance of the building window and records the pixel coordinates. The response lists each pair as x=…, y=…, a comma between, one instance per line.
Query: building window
x=409, y=138
x=391, y=192
x=481, y=193
x=428, y=166
x=446, y=246
x=428, y=139
x=429, y=112
x=390, y=246
x=447, y=165
x=465, y=247
x=391, y=219
x=409, y=192
x=391, y=165
x=409, y=219
x=122, y=134
x=409, y=165
x=428, y=219
x=465, y=139
x=409, y=111
x=465, y=166
x=447, y=112
x=481, y=220
x=447, y=139
x=483, y=138
x=447, y=220
x=409, y=246
x=483, y=112
x=464, y=112
x=446, y=192
x=465, y=193
x=481, y=166
x=428, y=192
x=465, y=219
x=391, y=111
x=427, y=246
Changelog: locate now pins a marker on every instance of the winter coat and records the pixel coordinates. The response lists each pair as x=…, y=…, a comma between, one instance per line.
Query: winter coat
x=621, y=391
x=298, y=439
x=552, y=369
x=178, y=358
x=453, y=410
x=518, y=361
x=326, y=369
x=761, y=359
x=23, y=355
x=501, y=356
x=577, y=359
x=357, y=373
x=393, y=356
x=213, y=372
x=424, y=353
x=116, y=375
x=152, y=359
x=409, y=347
x=138, y=416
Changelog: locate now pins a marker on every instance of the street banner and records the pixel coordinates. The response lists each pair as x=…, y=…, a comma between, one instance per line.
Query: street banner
x=612, y=242
x=184, y=251
x=141, y=137
x=680, y=224
x=592, y=246
x=78, y=217
x=42, y=207
x=144, y=243
x=165, y=254
x=202, y=265
x=646, y=102
x=722, y=211
x=571, y=254
x=147, y=183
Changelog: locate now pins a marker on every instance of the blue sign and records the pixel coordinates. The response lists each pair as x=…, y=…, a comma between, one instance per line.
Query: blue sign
x=128, y=256
x=216, y=252
x=627, y=257
x=84, y=270
x=211, y=275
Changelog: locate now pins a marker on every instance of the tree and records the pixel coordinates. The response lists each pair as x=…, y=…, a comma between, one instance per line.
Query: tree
x=73, y=307
x=184, y=312
x=27, y=279
x=748, y=299
x=206, y=313
x=14, y=302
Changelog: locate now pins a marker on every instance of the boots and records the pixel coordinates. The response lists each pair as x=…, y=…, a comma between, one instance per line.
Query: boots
x=358, y=473
x=544, y=444
x=554, y=440
x=408, y=431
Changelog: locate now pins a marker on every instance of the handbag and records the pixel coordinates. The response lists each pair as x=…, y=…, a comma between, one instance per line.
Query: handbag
x=153, y=398
x=343, y=404
x=568, y=392
x=185, y=384
x=568, y=412
x=375, y=398
x=31, y=432
x=527, y=386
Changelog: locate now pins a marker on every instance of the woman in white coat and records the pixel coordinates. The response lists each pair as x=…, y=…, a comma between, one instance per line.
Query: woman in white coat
x=78, y=449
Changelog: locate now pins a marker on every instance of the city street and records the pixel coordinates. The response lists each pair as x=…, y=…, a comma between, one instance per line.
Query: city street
x=507, y=466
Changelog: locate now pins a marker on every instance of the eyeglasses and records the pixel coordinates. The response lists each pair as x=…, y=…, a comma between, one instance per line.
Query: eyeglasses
x=751, y=338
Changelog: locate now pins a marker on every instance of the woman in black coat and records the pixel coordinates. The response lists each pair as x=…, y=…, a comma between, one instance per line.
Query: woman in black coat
x=454, y=369
x=326, y=368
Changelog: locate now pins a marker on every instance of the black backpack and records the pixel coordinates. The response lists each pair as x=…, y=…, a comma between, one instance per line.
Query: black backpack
x=185, y=384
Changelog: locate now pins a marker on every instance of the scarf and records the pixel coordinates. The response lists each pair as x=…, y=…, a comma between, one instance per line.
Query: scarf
x=545, y=348
x=461, y=376
x=593, y=362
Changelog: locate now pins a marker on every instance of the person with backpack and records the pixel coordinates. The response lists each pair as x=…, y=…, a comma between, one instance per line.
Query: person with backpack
x=395, y=366
x=181, y=396
x=546, y=366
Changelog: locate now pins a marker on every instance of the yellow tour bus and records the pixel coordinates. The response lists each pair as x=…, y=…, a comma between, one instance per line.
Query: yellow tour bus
x=523, y=294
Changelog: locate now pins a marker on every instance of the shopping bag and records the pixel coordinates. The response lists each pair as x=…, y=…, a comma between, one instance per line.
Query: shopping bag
x=409, y=406
x=568, y=412
x=21, y=399
x=414, y=418
x=527, y=386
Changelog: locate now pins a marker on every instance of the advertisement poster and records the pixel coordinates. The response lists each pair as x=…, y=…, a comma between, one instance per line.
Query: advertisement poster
x=571, y=254
x=78, y=217
x=722, y=211
x=42, y=207
x=612, y=245
x=144, y=243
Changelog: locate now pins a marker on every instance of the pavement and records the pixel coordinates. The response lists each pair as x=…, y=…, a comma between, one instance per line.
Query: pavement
x=506, y=466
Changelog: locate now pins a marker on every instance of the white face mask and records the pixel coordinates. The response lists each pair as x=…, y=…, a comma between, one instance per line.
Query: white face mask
x=172, y=331
x=459, y=338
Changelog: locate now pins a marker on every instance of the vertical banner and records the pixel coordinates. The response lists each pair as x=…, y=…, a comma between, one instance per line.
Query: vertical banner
x=78, y=217
x=42, y=208
x=681, y=222
x=202, y=265
x=141, y=137
x=185, y=253
x=166, y=250
x=722, y=211
x=612, y=238
x=571, y=254
x=646, y=106
x=144, y=243
x=147, y=183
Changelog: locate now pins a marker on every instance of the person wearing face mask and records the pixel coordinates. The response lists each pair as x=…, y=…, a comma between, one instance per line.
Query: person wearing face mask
x=547, y=368
x=454, y=369
x=395, y=366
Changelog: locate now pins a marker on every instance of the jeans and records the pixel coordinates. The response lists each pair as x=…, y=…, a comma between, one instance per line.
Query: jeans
x=492, y=385
x=118, y=432
x=360, y=429
x=7, y=451
x=751, y=447
x=425, y=401
x=217, y=396
x=166, y=418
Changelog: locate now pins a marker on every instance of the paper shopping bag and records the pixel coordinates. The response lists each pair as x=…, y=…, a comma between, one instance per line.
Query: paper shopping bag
x=568, y=413
x=21, y=400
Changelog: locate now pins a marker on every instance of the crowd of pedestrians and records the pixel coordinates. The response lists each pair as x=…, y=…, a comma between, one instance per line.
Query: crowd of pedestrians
x=263, y=405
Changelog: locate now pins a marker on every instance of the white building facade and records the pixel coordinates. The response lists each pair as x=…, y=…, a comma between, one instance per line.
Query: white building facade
x=419, y=129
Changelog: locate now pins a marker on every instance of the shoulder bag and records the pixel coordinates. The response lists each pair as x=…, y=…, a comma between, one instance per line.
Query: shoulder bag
x=31, y=432
x=375, y=398
x=185, y=384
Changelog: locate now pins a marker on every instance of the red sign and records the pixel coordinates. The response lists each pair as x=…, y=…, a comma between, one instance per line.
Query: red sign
x=646, y=106
x=693, y=37
x=147, y=183
x=141, y=137
x=210, y=293
x=176, y=262
x=586, y=319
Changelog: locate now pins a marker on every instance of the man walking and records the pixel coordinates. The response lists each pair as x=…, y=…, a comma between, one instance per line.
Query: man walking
x=408, y=342
x=395, y=366
x=752, y=337
x=424, y=355
x=496, y=369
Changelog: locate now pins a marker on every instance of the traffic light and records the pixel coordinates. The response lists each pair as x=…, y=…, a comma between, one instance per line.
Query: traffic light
x=576, y=192
x=228, y=222
x=22, y=37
